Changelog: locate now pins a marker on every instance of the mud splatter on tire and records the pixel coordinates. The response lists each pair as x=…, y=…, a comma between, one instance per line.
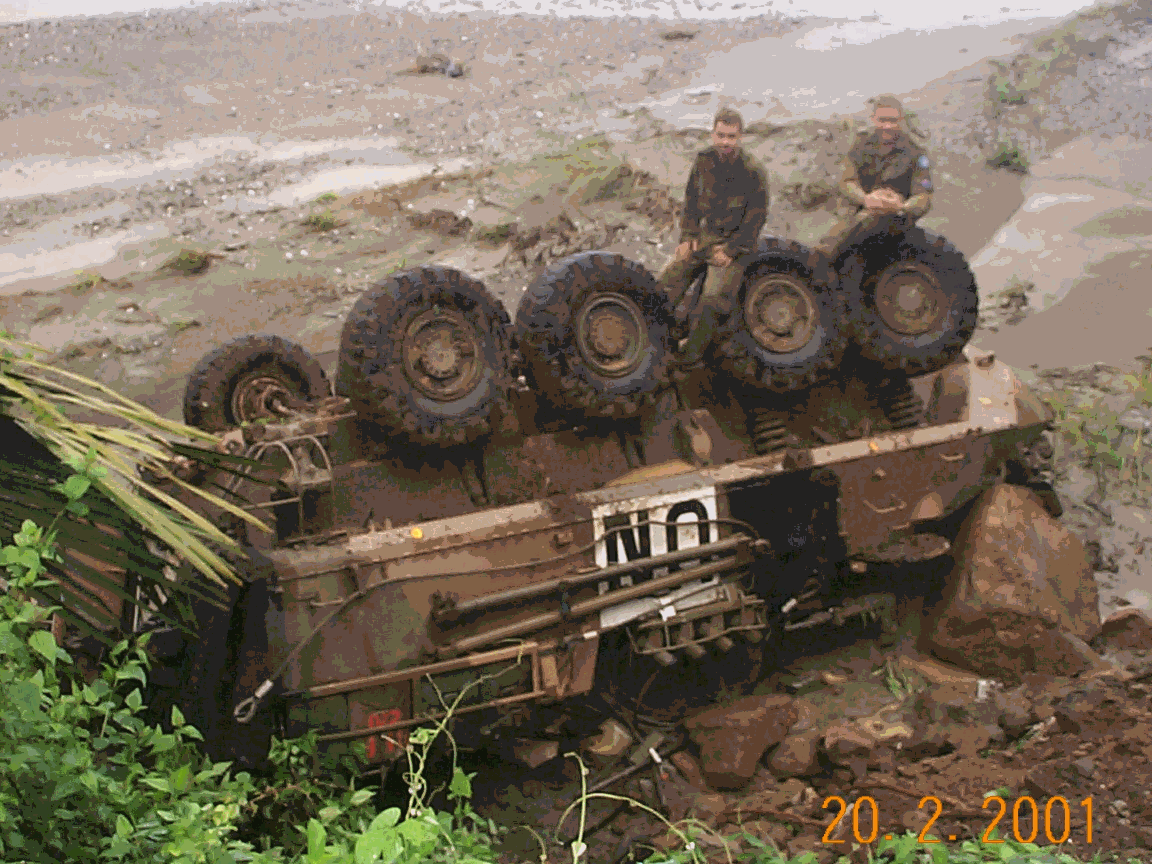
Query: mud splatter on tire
x=912, y=299
x=427, y=352
x=788, y=327
x=594, y=333
x=243, y=379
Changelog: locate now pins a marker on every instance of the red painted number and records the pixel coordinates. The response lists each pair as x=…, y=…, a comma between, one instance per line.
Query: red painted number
x=378, y=719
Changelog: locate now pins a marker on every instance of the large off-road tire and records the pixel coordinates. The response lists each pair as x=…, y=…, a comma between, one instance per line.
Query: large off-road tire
x=250, y=378
x=426, y=352
x=788, y=327
x=593, y=330
x=912, y=299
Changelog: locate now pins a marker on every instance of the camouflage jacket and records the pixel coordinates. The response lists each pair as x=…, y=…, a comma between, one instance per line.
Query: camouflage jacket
x=725, y=201
x=905, y=169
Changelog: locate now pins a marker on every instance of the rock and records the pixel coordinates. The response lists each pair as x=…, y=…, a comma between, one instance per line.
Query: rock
x=708, y=807
x=732, y=738
x=936, y=672
x=849, y=745
x=690, y=769
x=1091, y=708
x=1086, y=767
x=1020, y=579
x=611, y=743
x=955, y=703
x=1127, y=630
x=796, y=755
x=535, y=753
x=1016, y=714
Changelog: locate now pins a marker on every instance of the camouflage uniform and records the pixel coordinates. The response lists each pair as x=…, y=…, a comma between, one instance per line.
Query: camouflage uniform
x=724, y=203
x=904, y=169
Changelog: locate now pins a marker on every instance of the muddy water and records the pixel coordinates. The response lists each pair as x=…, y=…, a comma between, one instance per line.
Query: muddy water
x=830, y=68
x=1082, y=240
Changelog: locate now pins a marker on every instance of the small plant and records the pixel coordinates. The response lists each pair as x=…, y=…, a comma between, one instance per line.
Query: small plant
x=324, y=221
x=85, y=280
x=190, y=262
x=327, y=198
x=1010, y=157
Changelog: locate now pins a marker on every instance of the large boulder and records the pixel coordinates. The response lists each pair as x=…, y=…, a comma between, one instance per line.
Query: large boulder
x=732, y=738
x=1021, y=597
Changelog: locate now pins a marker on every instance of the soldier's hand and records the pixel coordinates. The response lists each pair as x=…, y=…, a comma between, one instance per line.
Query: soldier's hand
x=883, y=201
x=685, y=249
x=720, y=257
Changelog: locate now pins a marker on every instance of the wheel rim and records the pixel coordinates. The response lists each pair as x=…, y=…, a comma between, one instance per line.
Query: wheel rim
x=441, y=355
x=781, y=313
x=262, y=396
x=909, y=298
x=610, y=333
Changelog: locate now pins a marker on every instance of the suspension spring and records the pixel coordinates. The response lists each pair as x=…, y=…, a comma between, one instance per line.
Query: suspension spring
x=904, y=408
x=768, y=434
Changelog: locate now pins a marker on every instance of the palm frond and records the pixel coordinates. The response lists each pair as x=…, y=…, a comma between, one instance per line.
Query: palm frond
x=138, y=500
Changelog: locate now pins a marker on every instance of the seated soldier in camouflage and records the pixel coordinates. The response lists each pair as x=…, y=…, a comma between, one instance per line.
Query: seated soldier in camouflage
x=725, y=207
x=884, y=172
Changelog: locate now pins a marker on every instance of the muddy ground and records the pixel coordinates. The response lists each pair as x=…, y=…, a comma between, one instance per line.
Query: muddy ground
x=283, y=262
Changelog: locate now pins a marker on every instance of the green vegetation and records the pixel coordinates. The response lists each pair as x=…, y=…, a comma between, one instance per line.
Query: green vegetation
x=326, y=198
x=120, y=459
x=86, y=279
x=580, y=174
x=190, y=262
x=324, y=221
x=1090, y=433
x=1009, y=156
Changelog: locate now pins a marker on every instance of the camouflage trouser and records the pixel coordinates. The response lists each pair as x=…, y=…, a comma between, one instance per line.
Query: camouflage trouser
x=845, y=225
x=718, y=296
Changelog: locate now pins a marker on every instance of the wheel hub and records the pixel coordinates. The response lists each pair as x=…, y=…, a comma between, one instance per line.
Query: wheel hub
x=441, y=354
x=781, y=313
x=909, y=298
x=261, y=396
x=611, y=333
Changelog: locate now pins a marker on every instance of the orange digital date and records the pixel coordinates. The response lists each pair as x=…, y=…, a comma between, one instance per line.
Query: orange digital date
x=1032, y=812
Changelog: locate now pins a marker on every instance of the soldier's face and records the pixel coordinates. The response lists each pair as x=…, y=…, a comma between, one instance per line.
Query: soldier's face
x=726, y=139
x=887, y=123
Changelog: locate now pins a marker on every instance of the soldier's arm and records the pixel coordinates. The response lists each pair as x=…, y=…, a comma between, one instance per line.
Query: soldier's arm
x=690, y=215
x=755, y=215
x=920, y=201
x=850, y=186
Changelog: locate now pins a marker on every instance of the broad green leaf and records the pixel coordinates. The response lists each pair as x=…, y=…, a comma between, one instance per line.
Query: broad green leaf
x=379, y=847
x=177, y=717
x=180, y=778
x=360, y=796
x=385, y=819
x=44, y=644
x=123, y=826
x=75, y=486
x=158, y=783
x=327, y=814
x=461, y=785
x=316, y=837
x=134, y=700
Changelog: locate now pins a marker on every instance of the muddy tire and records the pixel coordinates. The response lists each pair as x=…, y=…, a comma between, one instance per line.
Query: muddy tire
x=912, y=300
x=788, y=327
x=249, y=378
x=426, y=352
x=593, y=331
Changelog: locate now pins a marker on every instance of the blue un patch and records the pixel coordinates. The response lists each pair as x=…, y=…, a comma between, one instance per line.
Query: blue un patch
x=927, y=184
x=922, y=161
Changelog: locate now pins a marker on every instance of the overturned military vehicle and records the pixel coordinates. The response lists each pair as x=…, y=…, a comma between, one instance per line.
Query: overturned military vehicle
x=493, y=514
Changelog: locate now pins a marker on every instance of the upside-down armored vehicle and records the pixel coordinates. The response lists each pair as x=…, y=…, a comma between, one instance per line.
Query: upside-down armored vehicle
x=498, y=514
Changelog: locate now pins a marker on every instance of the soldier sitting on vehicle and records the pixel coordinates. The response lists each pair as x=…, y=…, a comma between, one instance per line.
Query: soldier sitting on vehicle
x=725, y=207
x=884, y=172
